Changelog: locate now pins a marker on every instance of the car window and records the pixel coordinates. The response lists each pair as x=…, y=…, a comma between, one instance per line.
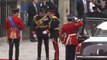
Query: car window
x=94, y=50
x=100, y=33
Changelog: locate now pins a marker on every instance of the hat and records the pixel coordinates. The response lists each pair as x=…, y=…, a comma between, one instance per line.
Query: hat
x=70, y=16
x=15, y=10
x=42, y=10
x=51, y=11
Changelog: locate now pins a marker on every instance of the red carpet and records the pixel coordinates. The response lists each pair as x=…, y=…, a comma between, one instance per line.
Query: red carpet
x=3, y=59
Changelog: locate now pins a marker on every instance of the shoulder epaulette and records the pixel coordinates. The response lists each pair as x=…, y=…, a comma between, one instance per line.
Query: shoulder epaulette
x=56, y=18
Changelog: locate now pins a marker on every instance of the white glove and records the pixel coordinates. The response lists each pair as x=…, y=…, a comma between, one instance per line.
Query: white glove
x=35, y=36
x=75, y=18
x=41, y=4
x=45, y=32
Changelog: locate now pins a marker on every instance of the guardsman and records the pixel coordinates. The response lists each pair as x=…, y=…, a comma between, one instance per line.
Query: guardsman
x=54, y=32
x=13, y=25
x=40, y=29
x=68, y=36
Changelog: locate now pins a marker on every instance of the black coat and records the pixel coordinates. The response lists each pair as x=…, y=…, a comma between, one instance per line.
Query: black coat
x=54, y=23
x=31, y=12
x=80, y=8
x=43, y=6
x=54, y=7
x=49, y=6
x=39, y=30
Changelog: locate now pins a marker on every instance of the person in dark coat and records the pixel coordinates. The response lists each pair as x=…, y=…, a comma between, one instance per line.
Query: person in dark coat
x=32, y=11
x=53, y=6
x=43, y=4
x=41, y=30
x=54, y=32
x=82, y=8
x=47, y=5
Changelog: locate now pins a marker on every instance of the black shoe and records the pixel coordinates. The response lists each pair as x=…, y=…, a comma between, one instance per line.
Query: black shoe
x=47, y=58
x=33, y=41
x=54, y=59
x=38, y=58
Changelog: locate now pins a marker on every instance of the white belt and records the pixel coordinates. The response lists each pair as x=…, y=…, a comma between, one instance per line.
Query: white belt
x=68, y=38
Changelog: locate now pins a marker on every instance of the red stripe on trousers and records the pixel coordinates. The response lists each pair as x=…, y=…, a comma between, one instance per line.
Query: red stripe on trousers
x=56, y=48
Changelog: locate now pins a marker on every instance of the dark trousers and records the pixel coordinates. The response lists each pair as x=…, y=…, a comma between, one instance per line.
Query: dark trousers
x=46, y=43
x=56, y=48
x=11, y=43
x=70, y=52
x=32, y=39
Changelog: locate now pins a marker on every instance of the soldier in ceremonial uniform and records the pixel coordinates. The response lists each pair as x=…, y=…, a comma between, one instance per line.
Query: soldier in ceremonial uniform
x=54, y=32
x=13, y=25
x=40, y=29
x=68, y=36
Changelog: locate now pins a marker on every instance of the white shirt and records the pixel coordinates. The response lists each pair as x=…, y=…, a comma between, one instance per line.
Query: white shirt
x=85, y=5
x=35, y=7
x=91, y=5
x=34, y=4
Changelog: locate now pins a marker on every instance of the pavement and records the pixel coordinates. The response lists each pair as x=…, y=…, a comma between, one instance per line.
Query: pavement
x=28, y=50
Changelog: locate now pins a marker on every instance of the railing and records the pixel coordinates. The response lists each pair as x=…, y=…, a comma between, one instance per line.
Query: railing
x=5, y=7
x=95, y=19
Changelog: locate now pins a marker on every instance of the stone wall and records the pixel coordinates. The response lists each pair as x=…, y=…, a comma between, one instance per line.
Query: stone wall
x=66, y=7
x=63, y=10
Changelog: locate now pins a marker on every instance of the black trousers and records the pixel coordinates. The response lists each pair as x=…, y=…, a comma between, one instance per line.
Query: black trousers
x=46, y=43
x=32, y=39
x=70, y=52
x=56, y=48
x=11, y=43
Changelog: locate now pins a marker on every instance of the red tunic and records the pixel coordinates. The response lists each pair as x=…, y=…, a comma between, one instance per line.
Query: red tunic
x=18, y=22
x=68, y=32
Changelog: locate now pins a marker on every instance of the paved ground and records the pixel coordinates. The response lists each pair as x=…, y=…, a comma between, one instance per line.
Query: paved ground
x=28, y=50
